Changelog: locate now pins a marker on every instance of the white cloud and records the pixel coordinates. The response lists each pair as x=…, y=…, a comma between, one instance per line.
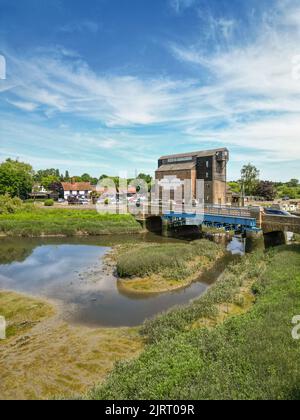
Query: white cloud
x=25, y=106
x=181, y=5
x=248, y=97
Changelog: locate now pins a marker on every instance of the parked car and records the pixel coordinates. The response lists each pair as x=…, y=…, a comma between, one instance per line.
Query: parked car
x=278, y=212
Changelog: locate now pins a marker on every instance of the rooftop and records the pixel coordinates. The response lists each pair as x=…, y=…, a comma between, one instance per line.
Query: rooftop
x=202, y=153
x=77, y=186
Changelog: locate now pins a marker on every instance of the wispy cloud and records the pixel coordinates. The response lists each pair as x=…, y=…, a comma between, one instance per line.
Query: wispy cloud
x=246, y=96
x=82, y=26
x=180, y=5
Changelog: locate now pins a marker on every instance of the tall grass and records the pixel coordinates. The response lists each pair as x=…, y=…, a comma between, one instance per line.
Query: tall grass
x=69, y=222
x=165, y=259
x=250, y=356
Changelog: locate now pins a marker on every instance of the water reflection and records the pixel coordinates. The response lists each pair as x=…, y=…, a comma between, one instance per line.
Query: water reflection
x=237, y=246
x=73, y=274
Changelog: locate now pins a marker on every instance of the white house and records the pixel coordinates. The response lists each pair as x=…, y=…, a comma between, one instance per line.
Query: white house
x=77, y=189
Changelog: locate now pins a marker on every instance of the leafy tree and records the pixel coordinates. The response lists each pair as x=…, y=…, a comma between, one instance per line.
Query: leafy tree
x=16, y=178
x=47, y=181
x=57, y=187
x=44, y=173
x=249, y=179
x=293, y=183
x=235, y=186
x=267, y=190
x=67, y=176
x=86, y=178
x=288, y=192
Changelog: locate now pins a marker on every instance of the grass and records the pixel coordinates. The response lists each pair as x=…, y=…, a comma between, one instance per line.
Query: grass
x=22, y=313
x=153, y=268
x=207, y=350
x=68, y=222
x=44, y=356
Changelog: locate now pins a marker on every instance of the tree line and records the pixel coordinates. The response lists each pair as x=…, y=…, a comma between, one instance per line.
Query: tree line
x=250, y=184
x=18, y=179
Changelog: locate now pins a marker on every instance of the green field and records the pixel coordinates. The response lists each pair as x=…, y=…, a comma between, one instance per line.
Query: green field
x=233, y=343
x=69, y=222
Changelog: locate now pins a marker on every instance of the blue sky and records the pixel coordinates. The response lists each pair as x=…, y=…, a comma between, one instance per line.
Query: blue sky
x=101, y=86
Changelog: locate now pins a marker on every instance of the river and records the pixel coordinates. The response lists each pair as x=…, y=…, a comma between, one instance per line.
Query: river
x=70, y=271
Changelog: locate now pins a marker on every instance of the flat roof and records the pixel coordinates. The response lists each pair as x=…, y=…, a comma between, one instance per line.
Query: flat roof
x=201, y=153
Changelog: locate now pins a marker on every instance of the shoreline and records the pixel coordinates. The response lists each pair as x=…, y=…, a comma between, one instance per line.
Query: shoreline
x=59, y=358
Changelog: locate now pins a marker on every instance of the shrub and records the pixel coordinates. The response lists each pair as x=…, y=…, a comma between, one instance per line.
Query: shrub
x=49, y=203
x=9, y=204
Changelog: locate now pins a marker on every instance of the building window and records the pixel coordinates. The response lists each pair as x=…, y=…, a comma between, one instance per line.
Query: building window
x=207, y=174
x=207, y=164
x=182, y=159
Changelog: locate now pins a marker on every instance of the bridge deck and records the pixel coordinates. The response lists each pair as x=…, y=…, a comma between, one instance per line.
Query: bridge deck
x=248, y=217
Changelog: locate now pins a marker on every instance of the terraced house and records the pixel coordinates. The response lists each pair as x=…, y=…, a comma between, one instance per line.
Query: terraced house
x=209, y=165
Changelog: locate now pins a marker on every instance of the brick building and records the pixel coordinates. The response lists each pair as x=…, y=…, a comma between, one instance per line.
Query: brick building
x=210, y=166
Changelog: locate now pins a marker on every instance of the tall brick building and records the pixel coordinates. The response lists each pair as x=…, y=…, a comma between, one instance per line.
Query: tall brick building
x=210, y=166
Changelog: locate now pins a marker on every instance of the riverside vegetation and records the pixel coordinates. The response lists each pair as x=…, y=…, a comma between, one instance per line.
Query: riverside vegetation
x=156, y=268
x=235, y=342
x=19, y=219
x=48, y=357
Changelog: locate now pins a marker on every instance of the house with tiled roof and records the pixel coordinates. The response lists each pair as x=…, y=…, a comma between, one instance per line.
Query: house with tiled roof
x=77, y=189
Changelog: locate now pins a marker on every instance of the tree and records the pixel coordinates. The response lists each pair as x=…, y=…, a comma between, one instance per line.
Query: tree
x=57, y=187
x=86, y=178
x=266, y=190
x=249, y=179
x=43, y=173
x=293, y=183
x=16, y=178
x=47, y=181
x=67, y=176
x=235, y=187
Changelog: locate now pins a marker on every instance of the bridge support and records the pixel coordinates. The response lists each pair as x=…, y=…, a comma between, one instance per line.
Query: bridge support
x=275, y=239
x=254, y=241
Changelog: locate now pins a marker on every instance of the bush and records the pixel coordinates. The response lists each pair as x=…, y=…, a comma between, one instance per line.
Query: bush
x=9, y=205
x=49, y=203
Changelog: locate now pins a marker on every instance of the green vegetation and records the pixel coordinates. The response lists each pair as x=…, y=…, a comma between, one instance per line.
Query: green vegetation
x=22, y=312
x=16, y=178
x=249, y=179
x=251, y=185
x=47, y=357
x=10, y=205
x=223, y=346
x=170, y=260
x=153, y=268
x=49, y=203
x=68, y=222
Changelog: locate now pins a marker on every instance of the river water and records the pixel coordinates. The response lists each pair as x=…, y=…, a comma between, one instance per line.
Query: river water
x=71, y=272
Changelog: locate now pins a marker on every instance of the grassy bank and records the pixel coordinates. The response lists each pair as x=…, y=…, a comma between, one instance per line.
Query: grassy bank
x=233, y=343
x=44, y=357
x=153, y=268
x=68, y=222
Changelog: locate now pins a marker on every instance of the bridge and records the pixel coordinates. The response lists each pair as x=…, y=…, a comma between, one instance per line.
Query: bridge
x=240, y=219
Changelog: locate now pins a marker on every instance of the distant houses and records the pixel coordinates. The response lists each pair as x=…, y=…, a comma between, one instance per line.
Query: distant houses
x=77, y=189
